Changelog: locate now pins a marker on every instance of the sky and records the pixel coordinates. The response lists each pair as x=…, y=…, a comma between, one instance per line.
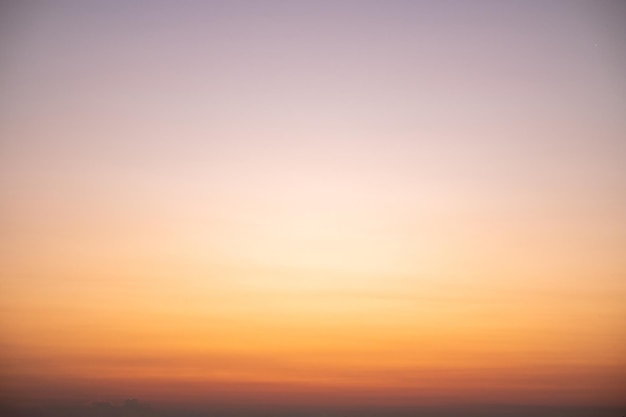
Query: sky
x=351, y=203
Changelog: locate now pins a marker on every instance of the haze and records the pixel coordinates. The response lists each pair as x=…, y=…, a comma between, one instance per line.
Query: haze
x=301, y=204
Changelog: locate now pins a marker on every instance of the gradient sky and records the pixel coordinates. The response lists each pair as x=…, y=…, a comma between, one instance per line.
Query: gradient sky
x=354, y=202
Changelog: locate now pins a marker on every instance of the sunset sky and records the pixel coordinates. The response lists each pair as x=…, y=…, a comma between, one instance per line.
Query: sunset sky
x=296, y=202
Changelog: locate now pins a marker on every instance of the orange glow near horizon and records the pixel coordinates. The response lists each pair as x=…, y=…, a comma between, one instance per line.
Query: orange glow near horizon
x=199, y=213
